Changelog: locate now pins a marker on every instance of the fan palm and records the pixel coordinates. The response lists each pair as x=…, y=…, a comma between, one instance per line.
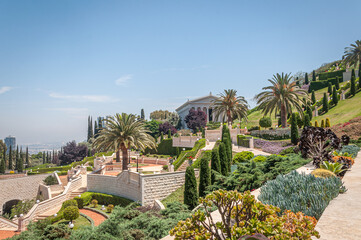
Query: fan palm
x=352, y=54
x=230, y=106
x=122, y=132
x=282, y=95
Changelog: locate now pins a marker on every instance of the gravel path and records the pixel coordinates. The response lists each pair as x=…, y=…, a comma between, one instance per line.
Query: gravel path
x=97, y=218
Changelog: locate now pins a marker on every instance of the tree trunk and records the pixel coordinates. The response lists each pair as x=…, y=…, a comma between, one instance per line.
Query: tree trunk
x=125, y=158
x=283, y=116
x=229, y=118
x=117, y=156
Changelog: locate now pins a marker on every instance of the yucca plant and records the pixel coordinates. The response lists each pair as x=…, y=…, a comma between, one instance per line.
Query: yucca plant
x=335, y=167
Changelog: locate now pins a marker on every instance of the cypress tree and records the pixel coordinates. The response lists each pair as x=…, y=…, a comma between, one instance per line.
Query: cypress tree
x=4, y=155
x=334, y=96
x=215, y=164
x=95, y=129
x=17, y=158
x=306, y=122
x=294, y=129
x=190, y=189
x=91, y=128
x=313, y=76
x=316, y=124
x=10, y=158
x=359, y=75
x=309, y=112
x=203, y=133
x=337, y=83
x=353, y=73
x=325, y=103
x=223, y=158
x=329, y=90
x=306, y=79
x=44, y=159
x=142, y=116
x=328, y=124
x=161, y=136
x=177, y=151
x=204, y=176
x=2, y=166
x=88, y=138
x=313, y=97
x=169, y=133
x=21, y=163
x=27, y=156
x=322, y=123
x=353, y=86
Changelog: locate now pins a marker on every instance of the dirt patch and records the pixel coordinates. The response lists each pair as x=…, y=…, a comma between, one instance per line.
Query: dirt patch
x=351, y=128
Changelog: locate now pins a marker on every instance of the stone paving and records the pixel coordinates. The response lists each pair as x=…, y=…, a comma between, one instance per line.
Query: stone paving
x=7, y=234
x=97, y=218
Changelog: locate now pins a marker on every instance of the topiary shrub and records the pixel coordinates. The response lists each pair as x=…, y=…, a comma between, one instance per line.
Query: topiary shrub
x=288, y=151
x=50, y=180
x=71, y=213
x=80, y=202
x=259, y=158
x=322, y=173
x=69, y=203
x=190, y=189
x=244, y=156
x=110, y=208
x=94, y=203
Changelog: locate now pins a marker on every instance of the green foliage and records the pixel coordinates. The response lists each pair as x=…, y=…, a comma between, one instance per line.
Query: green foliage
x=334, y=96
x=165, y=147
x=326, y=75
x=201, y=143
x=316, y=124
x=104, y=199
x=71, y=213
x=243, y=156
x=204, y=176
x=265, y=122
x=314, y=86
x=300, y=192
x=307, y=121
x=353, y=86
x=306, y=79
x=288, y=151
x=350, y=149
x=223, y=158
x=190, y=189
x=323, y=173
x=325, y=103
x=2, y=166
x=313, y=97
x=337, y=84
x=22, y=207
x=69, y=203
x=329, y=89
x=327, y=124
x=294, y=129
x=259, y=158
x=313, y=76
x=322, y=123
x=110, y=208
x=215, y=163
x=50, y=180
x=335, y=167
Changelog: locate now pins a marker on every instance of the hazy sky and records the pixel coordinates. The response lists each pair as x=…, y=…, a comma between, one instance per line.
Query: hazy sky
x=61, y=61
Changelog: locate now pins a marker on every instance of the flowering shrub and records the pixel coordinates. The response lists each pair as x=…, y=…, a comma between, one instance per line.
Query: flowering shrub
x=273, y=147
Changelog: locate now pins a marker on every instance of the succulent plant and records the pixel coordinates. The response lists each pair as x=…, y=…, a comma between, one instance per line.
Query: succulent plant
x=323, y=173
x=335, y=167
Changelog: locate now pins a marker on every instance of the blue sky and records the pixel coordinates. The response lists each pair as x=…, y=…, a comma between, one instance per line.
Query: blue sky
x=61, y=61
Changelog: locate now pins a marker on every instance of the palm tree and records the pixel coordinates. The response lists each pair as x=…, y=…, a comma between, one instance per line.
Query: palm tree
x=121, y=133
x=282, y=95
x=230, y=106
x=353, y=54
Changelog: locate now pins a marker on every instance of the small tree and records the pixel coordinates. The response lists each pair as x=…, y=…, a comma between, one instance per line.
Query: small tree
x=294, y=129
x=71, y=213
x=204, y=176
x=328, y=124
x=17, y=158
x=329, y=89
x=306, y=79
x=223, y=158
x=2, y=166
x=322, y=123
x=203, y=133
x=334, y=96
x=307, y=121
x=10, y=158
x=325, y=103
x=142, y=116
x=316, y=124
x=215, y=164
x=27, y=157
x=169, y=133
x=337, y=85
x=161, y=136
x=359, y=75
x=313, y=97
x=353, y=86
x=309, y=112
x=313, y=76
x=190, y=189
x=196, y=119
x=265, y=122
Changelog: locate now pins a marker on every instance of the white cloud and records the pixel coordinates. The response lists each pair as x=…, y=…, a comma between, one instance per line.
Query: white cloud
x=5, y=89
x=83, y=98
x=123, y=79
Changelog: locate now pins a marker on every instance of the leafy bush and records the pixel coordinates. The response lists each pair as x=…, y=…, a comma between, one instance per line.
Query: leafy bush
x=243, y=156
x=265, y=122
x=350, y=149
x=110, y=208
x=50, y=180
x=287, y=151
x=335, y=167
x=300, y=192
x=165, y=167
x=323, y=173
x=71, y=213
x=94, y=203
x=103, y=199
x=69, y=203
x=242, y=141
x=259, y=158
x=180, y=160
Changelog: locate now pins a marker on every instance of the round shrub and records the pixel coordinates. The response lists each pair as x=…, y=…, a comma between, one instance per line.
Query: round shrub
x=94, y=202
x=322, y=173
x=80, y=202
x=259, y=158
x=165, y=167
x=288, y=150
x=69, y=203
x=110, y=208
x=71, y=213
x=243, y=156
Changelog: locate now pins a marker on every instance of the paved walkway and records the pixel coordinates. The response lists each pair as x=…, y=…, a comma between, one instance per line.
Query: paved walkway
x=342, y=217
x=6, y=234
x=97, y=218
x=255, y=151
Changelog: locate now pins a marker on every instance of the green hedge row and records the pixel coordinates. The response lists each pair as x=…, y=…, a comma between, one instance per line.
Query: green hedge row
x=242, y=141
x=321, y=84
x=165, y=147
x=102, y=198
x=327, y=75
x=182, y=157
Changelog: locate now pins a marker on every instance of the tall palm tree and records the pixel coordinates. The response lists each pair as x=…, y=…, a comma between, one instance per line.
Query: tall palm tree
x=352, y=54
x=230, y=106
x=121, y=133
x=282, y=95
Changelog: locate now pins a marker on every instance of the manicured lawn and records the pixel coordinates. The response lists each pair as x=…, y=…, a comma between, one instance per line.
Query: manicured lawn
x=176, y=196
x=80, y=221
x=99, y=208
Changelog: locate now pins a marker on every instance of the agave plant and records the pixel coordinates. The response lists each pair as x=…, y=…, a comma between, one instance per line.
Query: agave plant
x=341, y=154
x=335, y=167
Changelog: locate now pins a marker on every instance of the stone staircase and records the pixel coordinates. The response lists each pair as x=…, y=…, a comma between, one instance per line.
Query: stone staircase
x=185, y=164
x=77, y=192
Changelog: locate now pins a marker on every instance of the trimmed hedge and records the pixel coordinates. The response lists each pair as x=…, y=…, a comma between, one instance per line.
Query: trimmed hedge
x=327, y=75
x=102, y=198
x=321, y=84
x=165, y=147
x=180, y=160
x=242, y=141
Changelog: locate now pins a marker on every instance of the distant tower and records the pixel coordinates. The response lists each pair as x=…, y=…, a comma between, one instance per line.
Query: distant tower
x=10, y=141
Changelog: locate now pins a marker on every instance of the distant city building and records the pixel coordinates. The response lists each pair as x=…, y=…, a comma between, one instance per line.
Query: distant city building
x=10, y=141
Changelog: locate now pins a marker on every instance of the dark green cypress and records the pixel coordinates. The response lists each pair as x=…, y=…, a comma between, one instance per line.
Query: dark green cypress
x=353, y=73
x=169, y=133
x=309, y=112
x=215, y=164
x=17, y=158
x=2, y=166
x=44, y=158
x=190, y=189
x=203, y=133
x=95, y=129
x=325, y=103
x=313, y=76
x=307, y=121
x=21, y=162
x=204, y=176
x=4, y=155
x=313, y=97
x=353, y=86
x=294, y=129
x=223, y=158
x=27, y=157
x=306, y=79
x=334, y=96
x=337, y=85
x=142, y=116
x=10, y=158
x=329, y=90
x=89, y=129
x=177, y=151
x=359, y=75
x=161, y=136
